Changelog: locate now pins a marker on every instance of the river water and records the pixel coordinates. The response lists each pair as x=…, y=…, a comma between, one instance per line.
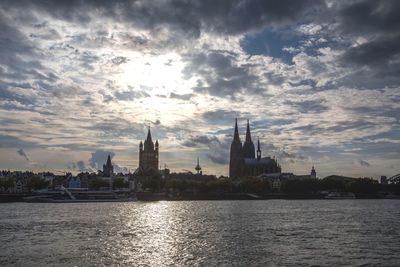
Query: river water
x=202, y=233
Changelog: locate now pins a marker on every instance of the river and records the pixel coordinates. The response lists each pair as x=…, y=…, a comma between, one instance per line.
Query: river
x=202, y=233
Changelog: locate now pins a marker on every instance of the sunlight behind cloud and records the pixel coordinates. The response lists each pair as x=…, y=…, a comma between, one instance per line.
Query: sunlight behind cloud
x=161, y=73
x=160, y=76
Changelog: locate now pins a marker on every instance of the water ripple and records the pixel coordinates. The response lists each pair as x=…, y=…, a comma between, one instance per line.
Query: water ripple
x=202, y=233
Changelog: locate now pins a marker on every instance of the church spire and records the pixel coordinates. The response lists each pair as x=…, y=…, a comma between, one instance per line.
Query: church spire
x=248, y=135
x=149, y=136
x=258, y=149
x=248, y=146
x=108, y=168
x=108, y=163
x=236, y=137
x=236, y=154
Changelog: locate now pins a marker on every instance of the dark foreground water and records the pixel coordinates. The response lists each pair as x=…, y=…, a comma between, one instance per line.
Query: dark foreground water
x=202, y=233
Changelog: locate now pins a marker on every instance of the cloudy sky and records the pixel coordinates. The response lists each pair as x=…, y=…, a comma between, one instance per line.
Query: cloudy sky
x=318, y=80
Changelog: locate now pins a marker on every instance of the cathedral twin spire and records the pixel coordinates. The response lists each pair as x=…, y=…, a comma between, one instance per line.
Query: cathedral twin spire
x=243, y=161
x=236, y=137
x=248, y=146
x=248, y=136
x=238, y=152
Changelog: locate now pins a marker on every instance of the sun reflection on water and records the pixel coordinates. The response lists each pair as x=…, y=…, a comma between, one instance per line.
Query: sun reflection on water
x=201, y=233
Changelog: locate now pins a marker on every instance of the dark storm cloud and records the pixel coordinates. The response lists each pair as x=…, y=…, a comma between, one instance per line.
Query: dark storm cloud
x=379, y=23
x=224, y=16
x=370, y=16
x=221, y=75
x=22, y=153
x=381, y=54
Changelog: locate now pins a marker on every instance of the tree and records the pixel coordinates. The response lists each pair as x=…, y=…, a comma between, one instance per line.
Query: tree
x=154, y=184
x=38, y=182
x=301, y=186
x=333, y=185
x=252, y=185
x=96, y=183
x=119, y=183
x=7, y=183
x=364, y=186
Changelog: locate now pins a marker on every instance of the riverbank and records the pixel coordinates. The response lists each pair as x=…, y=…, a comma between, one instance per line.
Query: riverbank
x=148, y=196
x=13, y=197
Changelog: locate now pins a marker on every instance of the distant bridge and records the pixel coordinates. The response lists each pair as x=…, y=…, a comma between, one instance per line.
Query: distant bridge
x=394, y=179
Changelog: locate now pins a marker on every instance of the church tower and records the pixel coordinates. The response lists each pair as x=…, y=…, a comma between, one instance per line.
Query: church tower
x=258, y=149
x=248, y=146
x=236, y=155
x=313, y=173
x=148, y=153
x=108, y=168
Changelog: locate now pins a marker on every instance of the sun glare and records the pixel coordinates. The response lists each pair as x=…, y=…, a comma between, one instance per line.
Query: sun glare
x=160, y=74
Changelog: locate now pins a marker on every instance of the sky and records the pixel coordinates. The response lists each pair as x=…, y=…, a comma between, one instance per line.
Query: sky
x=318, y=80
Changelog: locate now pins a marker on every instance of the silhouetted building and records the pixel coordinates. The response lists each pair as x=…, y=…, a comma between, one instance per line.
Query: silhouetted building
x=148, y=154
x=313, y=173
x=243, y=161
x=108, y=169
x=198, y=168
x=384, y=180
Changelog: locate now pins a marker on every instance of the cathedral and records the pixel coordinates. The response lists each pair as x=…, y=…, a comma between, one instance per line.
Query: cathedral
x=148, y=154
x=243, y=161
